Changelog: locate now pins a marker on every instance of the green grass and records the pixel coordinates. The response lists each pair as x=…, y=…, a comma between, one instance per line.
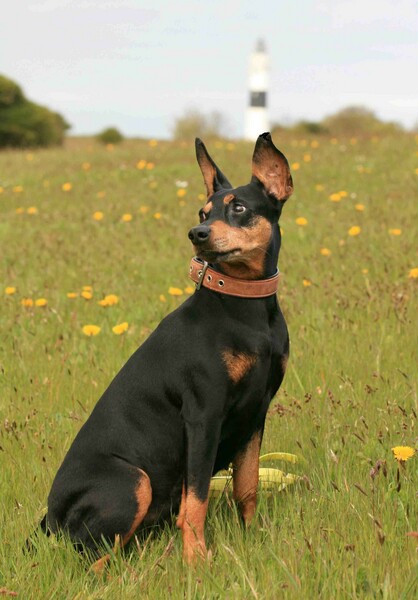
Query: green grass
x=348, y=397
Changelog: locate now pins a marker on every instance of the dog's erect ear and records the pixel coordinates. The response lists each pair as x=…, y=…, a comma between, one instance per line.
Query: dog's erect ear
x=214, y=179
x=271, y=168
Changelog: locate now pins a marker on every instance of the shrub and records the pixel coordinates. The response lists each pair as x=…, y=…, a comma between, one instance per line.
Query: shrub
x=358, y=120
x=194, y=123
x=110, y=135
x=24, y=123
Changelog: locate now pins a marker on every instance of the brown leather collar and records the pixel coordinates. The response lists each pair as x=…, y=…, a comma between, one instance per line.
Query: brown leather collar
x=202, y=274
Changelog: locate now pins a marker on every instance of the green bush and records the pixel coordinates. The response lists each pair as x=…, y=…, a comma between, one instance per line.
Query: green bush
x=358, y=120
x=111, y=135
x=194, y=123
x=24, y=123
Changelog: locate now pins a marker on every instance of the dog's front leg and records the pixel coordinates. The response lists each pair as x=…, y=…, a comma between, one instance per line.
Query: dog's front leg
x=245, y=477
x=202, y=435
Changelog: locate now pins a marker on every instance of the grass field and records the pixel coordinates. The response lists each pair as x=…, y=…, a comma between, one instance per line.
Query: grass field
x=348, y=293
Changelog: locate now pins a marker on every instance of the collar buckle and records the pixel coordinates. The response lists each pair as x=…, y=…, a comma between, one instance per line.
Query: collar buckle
x=201, y=274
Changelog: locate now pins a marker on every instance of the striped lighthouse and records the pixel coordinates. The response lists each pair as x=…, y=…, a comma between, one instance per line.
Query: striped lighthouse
x=256, y=120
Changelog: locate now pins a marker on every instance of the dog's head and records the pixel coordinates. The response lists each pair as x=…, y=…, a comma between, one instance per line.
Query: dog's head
x=238, y=226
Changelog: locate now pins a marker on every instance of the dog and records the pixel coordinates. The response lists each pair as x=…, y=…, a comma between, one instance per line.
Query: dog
x=194, y=397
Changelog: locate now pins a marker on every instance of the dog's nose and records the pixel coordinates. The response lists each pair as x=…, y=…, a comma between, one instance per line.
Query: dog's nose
x=199, y=234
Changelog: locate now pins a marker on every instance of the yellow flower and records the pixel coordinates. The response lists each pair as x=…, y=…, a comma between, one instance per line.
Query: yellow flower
x=98, y=215
x=359, y=207
x=174, y=291
x=91, y=330
x=157, y=215
x=109, y=300
x=307, y=157
x=395, y=231
x=353, y=141
x=86, y=166
x=403, y=453
x=101, y=194
x=127, y=217
x=413, y=273
x=86, y=295
x=67, y=187
x=181, y=192
x=365, y=271
x=20, y=210
x=121, y=328
x=153, y=143
x=314, y=144
x=87, y=288
x=335, y=197
x=189, y=289
x=354, y=230
x=9, y=290
x=27, y=302
x=1, y=189
x=153, y=185
x=163, y=298
x=141, y=164
x=343, y=193
x=307, y=282
x=325, y=251
x=109, y=147
x=334, y=141
x=32, y=210
x=301, y=221
x=72, y=295
x=143, y=209
x=201, y=197
x=230, y=146
x=150, y=166
x=295, y=166
x=29, y=156
x=18, y=189
x=319, y=187
x=41, y=302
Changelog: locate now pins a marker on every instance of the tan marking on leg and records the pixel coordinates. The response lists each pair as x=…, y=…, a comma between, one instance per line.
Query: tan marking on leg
x=182, y=510
x=192, y=527
x=245, y=478
x=238, y=363
x=228, y=198
x=143, y=493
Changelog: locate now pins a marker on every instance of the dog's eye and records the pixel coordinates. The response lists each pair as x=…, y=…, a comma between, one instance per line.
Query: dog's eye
x=202, y=216
x=238, y=208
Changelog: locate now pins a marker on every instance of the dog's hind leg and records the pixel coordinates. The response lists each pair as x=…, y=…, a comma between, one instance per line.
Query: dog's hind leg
x=143, y=494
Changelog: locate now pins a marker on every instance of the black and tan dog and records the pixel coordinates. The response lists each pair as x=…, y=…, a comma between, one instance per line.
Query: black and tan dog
x=194, y=397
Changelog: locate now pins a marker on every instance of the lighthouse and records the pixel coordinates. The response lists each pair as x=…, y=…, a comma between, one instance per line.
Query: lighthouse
x=256, y=120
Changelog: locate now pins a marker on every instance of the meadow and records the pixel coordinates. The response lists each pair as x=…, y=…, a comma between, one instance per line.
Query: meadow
x=95, y=253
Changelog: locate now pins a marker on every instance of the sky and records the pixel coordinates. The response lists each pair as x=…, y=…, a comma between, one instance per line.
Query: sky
x=140, y=64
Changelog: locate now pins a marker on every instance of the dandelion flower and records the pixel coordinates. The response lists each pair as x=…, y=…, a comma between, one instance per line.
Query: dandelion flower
x=365, y=271
x=314, y=144
x=41, y=302
x=295, y=166
x=307, y=282
x=230, y=146
x=109, y=300
x=359, y=207
x=32, y=210
x=86, y=295
x=67, y=187
x=307, y=157
x=335, y=197
x=354, y=230
x=143, y=209
x=1, y=189
x=201, y=197
x=153, y=143
x=395, y=231
x=413, y=273
x=301, y=221
x=157, y=215
x=121, y=328
x=27, y=302
x=325, y=251
x=18, y=189
x=189, y=289
x=403, y=453
x=90, y=330
x=20, y=210
x=181, y=192
x=86, y=166
x=174, y=291
x=319, y=187
x=9, y=290
x=150, y=166
x=153, y=185
x=162, y=298
x=126, y=217
x=87, y=288
x=72, y=295
x=343, y=193
x=101, y=194
x=141, y=164
x=98, y=215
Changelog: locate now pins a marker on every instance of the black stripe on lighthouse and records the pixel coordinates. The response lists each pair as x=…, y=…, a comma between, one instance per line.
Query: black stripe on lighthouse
x=258, y=99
